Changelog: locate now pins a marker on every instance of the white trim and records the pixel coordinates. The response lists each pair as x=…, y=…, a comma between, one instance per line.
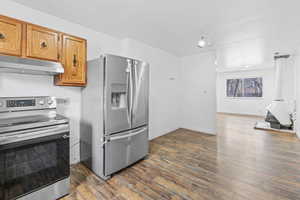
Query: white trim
x=246, y=98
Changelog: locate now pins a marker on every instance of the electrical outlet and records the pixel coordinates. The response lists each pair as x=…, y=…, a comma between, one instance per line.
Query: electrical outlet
x=63, y=101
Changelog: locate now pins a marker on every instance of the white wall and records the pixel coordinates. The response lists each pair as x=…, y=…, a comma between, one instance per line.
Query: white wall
x=163, y=108
x=256, y=106
x=198, y=79
x=248, y=106
x=164, y=86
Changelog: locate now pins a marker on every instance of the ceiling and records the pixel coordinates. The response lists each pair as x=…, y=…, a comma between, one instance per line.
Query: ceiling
x=171, y=25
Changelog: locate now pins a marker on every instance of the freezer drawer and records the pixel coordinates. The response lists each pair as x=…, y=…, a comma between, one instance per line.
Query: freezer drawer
x=122, y=150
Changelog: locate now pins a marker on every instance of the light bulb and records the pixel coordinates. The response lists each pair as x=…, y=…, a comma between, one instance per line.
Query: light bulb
x=201, y=43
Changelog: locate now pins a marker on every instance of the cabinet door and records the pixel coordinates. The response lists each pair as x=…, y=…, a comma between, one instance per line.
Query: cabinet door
x=10, y=36
x=74, y=61
x=42, y=43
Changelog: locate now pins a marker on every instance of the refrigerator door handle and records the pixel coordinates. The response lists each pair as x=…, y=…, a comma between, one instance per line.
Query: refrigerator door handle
x=134, y=79
x=131, y=94
x=129, y=90
x=128, y=135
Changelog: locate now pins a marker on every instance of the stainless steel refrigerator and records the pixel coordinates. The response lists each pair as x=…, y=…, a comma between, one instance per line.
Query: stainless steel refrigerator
x=114, y=124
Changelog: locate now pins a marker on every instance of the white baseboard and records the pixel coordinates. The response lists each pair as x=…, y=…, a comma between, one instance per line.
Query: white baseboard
x=204, y=131
x=241, y=114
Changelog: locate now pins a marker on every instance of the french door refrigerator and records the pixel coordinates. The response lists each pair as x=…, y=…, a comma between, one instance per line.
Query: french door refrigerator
x=114, y=124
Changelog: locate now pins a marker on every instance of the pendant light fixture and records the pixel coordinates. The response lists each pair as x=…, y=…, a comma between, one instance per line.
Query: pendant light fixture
x=202, y=42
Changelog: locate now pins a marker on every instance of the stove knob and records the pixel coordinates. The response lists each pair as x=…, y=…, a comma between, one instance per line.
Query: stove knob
x=50, y=102
x=1, y=104
x=41, y=102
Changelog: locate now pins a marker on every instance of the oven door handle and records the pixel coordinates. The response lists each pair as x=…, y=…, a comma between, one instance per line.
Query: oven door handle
x=60, y=131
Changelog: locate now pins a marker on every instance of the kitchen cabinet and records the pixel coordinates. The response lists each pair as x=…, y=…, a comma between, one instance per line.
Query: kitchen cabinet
x=42, y=43
x=74, y=61
x=22, y=39
x=10, y=36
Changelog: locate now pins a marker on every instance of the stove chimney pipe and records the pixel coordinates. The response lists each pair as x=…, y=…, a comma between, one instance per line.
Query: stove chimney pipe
x=280, y=63
x=278, y=114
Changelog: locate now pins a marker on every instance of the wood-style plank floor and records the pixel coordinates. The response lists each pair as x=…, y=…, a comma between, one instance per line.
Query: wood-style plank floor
x=239, y=163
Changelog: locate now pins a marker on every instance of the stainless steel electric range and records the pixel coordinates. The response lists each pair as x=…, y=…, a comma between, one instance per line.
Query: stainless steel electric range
x=34, y=149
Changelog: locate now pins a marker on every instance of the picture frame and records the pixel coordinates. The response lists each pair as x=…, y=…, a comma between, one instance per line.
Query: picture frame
x=244, y=87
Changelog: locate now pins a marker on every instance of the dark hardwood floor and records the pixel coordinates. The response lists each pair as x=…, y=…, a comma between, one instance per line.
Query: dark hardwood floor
x=239, y=163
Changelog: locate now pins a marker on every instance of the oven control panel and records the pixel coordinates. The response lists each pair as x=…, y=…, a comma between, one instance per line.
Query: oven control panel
x=20, y=103
x=26, y=103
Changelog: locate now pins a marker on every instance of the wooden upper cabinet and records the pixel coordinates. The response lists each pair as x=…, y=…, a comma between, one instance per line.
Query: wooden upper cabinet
x=22, y=39
x=10, y=36
x=74, y=61
x=42, y=43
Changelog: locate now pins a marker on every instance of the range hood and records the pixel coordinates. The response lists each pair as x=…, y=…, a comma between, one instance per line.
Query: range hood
x=12, y=64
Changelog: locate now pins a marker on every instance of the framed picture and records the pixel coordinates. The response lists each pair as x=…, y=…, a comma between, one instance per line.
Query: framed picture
x=234, y=88
x=244, y=87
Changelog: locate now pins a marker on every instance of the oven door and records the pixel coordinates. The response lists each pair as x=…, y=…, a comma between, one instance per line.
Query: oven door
x=31, y=160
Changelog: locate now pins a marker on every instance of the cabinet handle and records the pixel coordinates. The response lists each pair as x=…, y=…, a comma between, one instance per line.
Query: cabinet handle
x=74, y=61
x=2, y=36
x=43, y=44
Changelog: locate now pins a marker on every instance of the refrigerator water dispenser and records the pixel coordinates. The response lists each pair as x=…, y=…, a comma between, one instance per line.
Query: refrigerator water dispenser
x=118, y=100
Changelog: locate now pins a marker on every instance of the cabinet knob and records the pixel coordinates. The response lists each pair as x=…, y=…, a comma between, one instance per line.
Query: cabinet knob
x=43, y=44
x=2, y=36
